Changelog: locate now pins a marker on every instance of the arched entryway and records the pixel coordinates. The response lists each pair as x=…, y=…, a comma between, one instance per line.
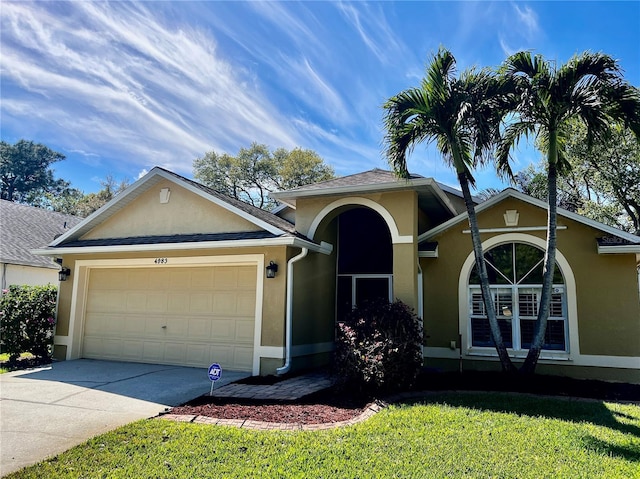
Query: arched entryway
x=364, y=260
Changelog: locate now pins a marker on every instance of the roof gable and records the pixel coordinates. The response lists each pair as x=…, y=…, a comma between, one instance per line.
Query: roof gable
x=511, y=193
x=253, y=217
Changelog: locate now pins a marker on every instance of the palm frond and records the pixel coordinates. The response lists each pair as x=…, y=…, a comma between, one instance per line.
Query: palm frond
x=509, y=139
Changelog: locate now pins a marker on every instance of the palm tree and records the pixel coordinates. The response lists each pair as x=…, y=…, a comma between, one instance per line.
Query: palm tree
x=462, y=116
x=589, y=88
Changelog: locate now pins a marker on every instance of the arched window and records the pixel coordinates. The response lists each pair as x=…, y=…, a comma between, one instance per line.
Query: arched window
x=515, y=278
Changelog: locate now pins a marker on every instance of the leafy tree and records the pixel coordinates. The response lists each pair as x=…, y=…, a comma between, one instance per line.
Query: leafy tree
x=255, y=172
x=462, y=116
x=87, y=204
x=25, y=171
x=589, y=88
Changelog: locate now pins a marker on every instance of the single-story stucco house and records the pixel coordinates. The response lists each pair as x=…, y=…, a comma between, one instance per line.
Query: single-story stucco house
x=23, y=228
x=173, y=272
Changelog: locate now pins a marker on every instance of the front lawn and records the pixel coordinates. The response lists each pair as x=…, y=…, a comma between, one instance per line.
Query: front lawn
x=445, y=435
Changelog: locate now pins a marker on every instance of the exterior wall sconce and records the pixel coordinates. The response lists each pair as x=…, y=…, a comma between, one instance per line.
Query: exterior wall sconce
x=64, y=273
x=272, y=269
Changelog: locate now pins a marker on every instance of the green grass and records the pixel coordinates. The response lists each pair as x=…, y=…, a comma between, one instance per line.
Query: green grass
x=449, y=435
x=4, y=357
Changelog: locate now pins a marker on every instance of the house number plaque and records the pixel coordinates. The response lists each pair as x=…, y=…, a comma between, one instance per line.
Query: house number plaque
x=161, y=261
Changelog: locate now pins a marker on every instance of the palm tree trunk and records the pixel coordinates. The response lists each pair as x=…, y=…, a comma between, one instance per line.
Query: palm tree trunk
x=496, y=335
x=540, y=329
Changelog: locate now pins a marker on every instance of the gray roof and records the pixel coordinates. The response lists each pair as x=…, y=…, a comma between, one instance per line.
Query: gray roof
x=371, y=177
x=25, y=228
x=168, y=239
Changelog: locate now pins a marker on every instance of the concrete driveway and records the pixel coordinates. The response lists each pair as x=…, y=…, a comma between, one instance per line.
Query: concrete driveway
x=46, y=411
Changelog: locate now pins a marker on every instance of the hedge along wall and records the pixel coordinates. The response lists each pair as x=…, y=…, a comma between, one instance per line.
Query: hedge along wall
x=27, y=319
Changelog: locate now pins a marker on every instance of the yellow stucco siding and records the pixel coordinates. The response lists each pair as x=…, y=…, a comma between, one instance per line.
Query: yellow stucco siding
x=608, y=303
x=185, y=213
x=314, y=293
x=401, y=205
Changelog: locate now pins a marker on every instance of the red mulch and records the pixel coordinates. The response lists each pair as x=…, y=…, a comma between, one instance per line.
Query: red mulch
x=324, y=407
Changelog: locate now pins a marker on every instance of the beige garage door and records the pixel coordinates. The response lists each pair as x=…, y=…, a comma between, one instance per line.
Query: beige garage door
x=190, y=316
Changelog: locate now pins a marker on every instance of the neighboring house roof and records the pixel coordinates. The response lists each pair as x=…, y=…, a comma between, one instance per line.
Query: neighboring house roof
x=623, y=242
x=24, y=228
x=274, y=226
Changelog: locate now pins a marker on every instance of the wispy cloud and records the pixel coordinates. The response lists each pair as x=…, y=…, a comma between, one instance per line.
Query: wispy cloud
x=521, y=29
x=130, y=81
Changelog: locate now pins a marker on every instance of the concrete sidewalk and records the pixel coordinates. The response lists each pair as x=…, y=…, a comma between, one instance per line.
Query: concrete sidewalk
x=46, y=411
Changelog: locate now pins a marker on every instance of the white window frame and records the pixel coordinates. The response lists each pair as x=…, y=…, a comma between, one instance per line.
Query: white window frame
x=356, y=277
x=515, y=318
x=489, y=353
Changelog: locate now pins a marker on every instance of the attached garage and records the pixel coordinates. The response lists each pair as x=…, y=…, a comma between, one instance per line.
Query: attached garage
x=189, y=316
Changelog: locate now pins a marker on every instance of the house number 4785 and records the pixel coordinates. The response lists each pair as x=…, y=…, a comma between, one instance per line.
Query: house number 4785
x=161, y=261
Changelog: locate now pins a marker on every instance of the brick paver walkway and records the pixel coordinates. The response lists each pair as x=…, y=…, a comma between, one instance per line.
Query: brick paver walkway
x=287, y=390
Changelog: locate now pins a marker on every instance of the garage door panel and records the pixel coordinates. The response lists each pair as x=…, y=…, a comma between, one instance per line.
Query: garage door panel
x=157, y=302
x=159, y=280
x=178, y=302
x=199, y=328
x=175, y=353
x=180, y=280
x=202, y=279
x=244, y=331
x=153, y=351
x=200, y=303
x=136, y=301
x=208, y=313
x=246, y=303
x=137, y=279
x=133, y=325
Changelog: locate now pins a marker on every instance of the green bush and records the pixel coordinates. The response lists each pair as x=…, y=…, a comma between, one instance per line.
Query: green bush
x=379, y=348
x=27, y=320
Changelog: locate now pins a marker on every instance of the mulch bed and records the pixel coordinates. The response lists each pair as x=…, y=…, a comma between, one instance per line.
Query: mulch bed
x=333, y=405
x=323, y=407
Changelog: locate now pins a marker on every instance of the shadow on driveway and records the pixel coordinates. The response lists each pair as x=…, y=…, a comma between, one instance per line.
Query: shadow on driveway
x=46, y=411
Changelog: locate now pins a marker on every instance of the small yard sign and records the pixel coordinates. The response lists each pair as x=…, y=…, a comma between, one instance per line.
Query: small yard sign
x=215, y=373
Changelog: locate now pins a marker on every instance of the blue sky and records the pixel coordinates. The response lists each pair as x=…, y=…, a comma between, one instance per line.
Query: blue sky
x=121, y=87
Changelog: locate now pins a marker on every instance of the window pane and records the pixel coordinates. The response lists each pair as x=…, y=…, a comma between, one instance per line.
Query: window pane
x=553, y=337
x=500, y=259
x=528, y=303
x=481, y=332
x=477, y=305
x=370, y=289
x=556, y=309
x=527, y=259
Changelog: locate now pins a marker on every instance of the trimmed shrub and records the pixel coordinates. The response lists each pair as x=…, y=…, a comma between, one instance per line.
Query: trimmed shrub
x=27, y=320
x=379, y=348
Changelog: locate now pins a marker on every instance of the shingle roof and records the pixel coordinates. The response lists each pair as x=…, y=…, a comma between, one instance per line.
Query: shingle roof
x=25, y=228
x=371, y=177
x=168, y=239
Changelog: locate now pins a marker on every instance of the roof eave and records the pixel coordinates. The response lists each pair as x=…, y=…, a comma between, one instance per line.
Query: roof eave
x=324, y=248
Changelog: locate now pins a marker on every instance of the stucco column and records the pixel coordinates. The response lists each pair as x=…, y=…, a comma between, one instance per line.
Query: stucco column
x=405, y=273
